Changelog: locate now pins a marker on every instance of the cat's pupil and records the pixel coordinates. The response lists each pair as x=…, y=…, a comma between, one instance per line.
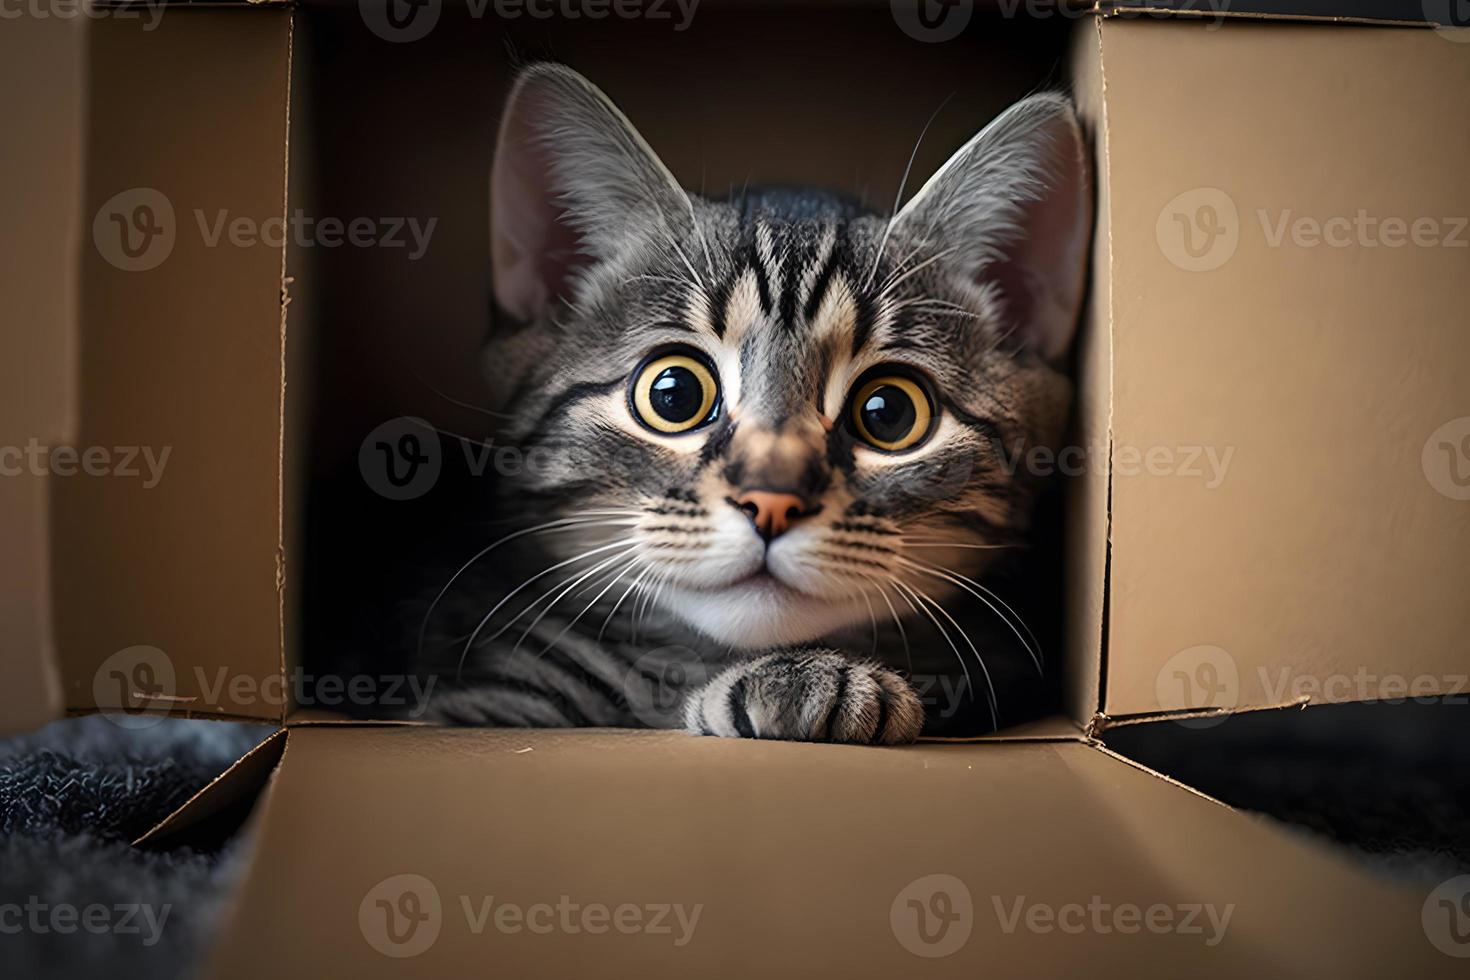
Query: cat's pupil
x=889, y=413
x=676, y=394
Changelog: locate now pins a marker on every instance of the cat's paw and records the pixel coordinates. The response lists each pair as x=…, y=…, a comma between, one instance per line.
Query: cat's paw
x=807, y=696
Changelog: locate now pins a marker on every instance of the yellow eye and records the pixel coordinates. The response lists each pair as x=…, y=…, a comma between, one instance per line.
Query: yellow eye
x=891, y=412
x=674, y=393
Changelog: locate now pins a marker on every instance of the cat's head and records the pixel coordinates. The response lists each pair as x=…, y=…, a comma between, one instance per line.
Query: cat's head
x=784, y=409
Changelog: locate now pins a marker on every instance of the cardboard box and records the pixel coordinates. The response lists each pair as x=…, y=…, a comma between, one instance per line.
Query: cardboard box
x=1238, y=306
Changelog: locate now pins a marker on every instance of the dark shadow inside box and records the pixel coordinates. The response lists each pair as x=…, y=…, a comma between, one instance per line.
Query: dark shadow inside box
x=1389, y=782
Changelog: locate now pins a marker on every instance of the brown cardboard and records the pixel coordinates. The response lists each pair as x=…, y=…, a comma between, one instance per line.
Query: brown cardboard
x=185, y=356
x=1325, y=563
x=40, y=157
x=797, y=853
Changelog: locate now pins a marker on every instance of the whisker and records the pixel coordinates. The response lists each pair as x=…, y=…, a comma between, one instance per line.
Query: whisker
x=516, y=591
x=561, y=595
x=903, y=634
x=989, y=685
x=909, y=595
x=898, y=198
x=576, y=521
x=626, y=592
x=981, y=592
x=632, y=564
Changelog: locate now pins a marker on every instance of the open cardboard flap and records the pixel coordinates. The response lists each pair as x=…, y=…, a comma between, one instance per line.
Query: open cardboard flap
x=799, y=845
x=41, y=158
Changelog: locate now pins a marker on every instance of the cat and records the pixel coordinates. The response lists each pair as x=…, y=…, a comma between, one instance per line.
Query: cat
x=753, y=428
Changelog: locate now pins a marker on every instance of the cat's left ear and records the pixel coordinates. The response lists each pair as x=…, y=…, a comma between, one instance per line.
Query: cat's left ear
x=1012, y=211
x=573, y=184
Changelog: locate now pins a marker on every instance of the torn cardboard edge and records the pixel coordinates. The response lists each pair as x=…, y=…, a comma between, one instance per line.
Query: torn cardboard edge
x=1102, y=721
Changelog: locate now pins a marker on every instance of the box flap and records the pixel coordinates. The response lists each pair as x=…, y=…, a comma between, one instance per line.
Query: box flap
x=842, y=860
x=40, y=157
x=1290, y=427
x=1393, y=12
x=219, y=807
x=167, y=553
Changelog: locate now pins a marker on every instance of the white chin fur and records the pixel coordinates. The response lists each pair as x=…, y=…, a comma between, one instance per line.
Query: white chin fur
x=759, y=613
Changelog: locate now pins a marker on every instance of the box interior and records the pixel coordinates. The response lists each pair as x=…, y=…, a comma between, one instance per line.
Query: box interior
x=408, y=130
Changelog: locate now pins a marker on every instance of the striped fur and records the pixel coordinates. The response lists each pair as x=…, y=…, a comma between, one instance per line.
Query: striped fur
x=654, y=581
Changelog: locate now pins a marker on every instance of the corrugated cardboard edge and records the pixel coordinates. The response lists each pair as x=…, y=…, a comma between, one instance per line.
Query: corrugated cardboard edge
x=238, y=784
x=1101, y=722
x=281, y=480
x=1122, y=10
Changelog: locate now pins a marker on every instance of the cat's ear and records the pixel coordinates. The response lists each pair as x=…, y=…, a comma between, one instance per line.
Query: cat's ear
x=572, y=184
x=1011, y=212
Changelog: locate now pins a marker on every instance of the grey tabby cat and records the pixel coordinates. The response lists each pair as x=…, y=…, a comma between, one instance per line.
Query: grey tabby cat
x=753, y=428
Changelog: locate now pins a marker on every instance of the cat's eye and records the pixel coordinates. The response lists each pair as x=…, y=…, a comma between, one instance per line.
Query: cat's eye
x=891, y=411
x=674, y=392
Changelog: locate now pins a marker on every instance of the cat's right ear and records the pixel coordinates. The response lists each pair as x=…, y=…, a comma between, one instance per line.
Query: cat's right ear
x=573, y=184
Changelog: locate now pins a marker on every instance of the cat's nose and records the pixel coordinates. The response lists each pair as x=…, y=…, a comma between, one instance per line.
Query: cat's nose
x=772, y=513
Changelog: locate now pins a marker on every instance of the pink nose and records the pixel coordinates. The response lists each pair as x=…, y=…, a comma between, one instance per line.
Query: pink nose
x=771, y=513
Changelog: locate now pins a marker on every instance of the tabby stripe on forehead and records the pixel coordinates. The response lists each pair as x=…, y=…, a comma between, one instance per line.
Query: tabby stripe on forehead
x=787, y=312
x=821, y=284
x=762, y=284
x=719, y=299
x=863, y=329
